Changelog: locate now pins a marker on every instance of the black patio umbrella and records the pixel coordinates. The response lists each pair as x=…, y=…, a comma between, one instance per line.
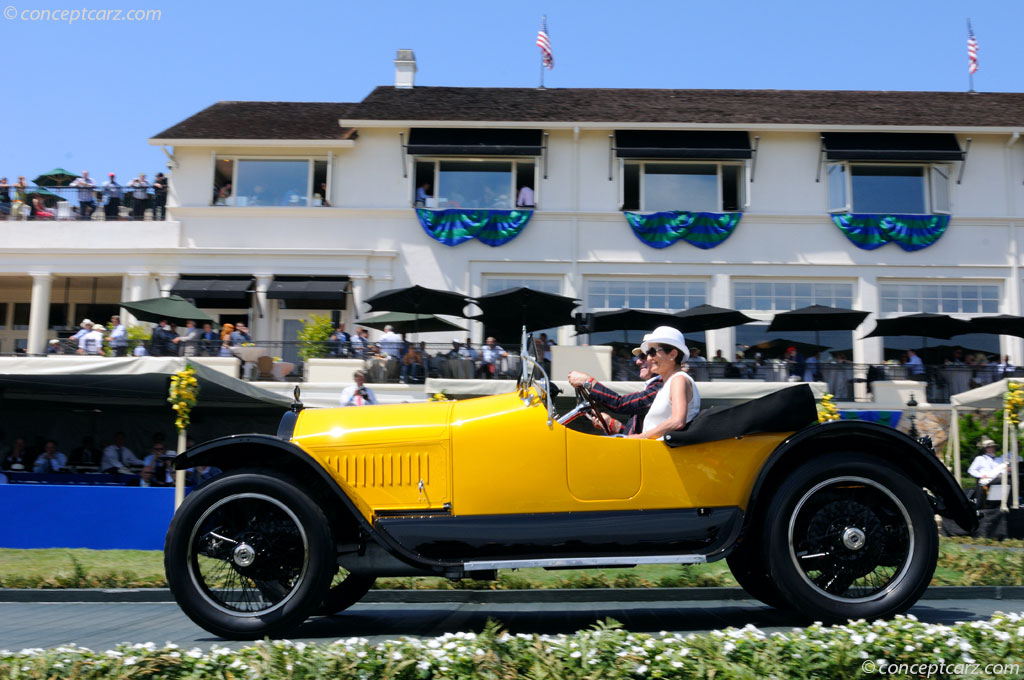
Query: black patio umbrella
x=771, y=349
x=58, y=177
x=507, y=311
x=403, y=322
x=818, y=318
x=418, y=300
x=924, y=325
x=174, y=308
x=1004, y=324
x=709, y=317
x=630, y=320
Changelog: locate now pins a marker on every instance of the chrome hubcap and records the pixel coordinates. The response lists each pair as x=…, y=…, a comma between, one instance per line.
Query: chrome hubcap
x=853, y=538
x=243, y=555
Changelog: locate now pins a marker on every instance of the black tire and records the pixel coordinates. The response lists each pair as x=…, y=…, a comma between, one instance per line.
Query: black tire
x=249, y=555
x=750, y=570
x=849, y=536
x=346, y=589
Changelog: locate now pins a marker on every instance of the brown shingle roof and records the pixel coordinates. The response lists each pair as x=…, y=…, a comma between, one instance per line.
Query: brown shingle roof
x=264, y=120
x=743, y=107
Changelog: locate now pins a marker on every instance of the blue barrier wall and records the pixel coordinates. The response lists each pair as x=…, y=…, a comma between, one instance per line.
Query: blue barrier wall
x=98, y=517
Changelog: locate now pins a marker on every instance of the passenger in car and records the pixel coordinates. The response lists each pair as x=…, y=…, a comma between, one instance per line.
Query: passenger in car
x=635, y=405
x=678, y=402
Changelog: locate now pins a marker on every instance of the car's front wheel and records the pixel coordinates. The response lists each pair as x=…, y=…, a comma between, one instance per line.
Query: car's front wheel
x=249, y=555
x=850, y=536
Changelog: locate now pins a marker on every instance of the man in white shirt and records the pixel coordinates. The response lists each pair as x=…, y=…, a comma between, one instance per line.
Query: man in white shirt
x=117, y=455
x=358, y=394
x=140, y=196
x=987, y=465
x=92, y=342
x=188, y=340
x=86, y=195
x=391, y=343
x=525, y=199
x=468, y=352
x=83, y=328
x=491, y=353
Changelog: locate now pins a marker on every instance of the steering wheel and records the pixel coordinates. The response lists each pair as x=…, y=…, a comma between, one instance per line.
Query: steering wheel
x=583, y=395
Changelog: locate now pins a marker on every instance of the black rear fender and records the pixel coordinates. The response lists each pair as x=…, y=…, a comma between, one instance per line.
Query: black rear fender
x=883, y=442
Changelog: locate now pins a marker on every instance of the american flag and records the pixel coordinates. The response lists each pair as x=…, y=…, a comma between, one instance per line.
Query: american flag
x=972, y=50
x=544, y=43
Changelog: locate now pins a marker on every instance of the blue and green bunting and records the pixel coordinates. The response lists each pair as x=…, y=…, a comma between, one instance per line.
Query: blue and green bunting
x=910, y=232
x=455, y=226
x=702, y=229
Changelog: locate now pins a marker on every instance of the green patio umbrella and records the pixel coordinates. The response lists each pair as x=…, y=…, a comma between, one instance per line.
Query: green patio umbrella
x=403, y=322
x=58, y=177
x=49, y=198
x=173, y=308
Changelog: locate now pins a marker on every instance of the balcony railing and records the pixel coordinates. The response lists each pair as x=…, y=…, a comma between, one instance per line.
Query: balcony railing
x=70, y=203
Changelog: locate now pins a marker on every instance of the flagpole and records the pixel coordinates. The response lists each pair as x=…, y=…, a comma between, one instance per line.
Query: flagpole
x=971, y=59
x=542, y=71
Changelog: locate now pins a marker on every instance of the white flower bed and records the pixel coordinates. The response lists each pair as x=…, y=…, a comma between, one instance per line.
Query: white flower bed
x=903, y=647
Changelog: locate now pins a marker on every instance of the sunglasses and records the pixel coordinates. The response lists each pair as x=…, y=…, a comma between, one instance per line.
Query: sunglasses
x=653, y=351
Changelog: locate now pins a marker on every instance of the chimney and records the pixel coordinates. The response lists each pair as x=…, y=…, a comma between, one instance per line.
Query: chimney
x=405, y=69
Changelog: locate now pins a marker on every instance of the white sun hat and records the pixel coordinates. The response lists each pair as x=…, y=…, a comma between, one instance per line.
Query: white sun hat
x=639, y=351
x=666, y=335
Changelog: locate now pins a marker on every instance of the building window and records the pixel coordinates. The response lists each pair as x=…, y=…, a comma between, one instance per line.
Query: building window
x=3, y=315
x=474, y=184
x=886, y=189
x=665, y=296
x=270, y=182
x=700, y=187
x=939, y=298
x=783, y=296
x=498, y=284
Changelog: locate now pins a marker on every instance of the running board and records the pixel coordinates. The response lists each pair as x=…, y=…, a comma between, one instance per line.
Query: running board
x=584, y=562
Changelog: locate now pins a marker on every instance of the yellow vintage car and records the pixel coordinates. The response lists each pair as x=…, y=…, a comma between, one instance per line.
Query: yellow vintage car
x=832, y=520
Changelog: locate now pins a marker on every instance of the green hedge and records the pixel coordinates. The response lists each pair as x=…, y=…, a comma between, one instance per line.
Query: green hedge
x=977, y=649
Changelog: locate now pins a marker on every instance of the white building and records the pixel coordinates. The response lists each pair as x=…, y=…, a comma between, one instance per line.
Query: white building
x=325, y=192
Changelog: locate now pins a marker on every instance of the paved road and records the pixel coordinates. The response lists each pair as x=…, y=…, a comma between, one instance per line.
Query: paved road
x=103, y=625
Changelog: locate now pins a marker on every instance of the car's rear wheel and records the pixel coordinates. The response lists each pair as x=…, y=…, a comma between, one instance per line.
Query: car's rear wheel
x=346, y=589
x=849, y=536
x=249, y=555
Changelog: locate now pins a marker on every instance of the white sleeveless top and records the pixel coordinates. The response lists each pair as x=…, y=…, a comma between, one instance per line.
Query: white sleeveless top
x=661, y=408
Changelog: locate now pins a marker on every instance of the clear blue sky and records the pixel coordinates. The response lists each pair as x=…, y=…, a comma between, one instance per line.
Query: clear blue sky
x=87, y=95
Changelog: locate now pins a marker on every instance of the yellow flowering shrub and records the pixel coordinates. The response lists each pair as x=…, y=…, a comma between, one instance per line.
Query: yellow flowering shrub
x=1013, y=401
x=827, y=410
x=183, y=395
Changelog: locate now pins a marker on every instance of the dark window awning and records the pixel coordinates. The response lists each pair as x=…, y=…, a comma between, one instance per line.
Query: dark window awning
x=891, y=146
x=474, y=142
x=309, y=288
x=219, y=288
x=682, y=144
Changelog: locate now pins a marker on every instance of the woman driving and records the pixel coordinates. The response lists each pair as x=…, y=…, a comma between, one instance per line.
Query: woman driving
x=678, y=402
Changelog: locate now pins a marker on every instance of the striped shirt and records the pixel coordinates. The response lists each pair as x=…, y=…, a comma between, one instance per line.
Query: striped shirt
x=636, y=404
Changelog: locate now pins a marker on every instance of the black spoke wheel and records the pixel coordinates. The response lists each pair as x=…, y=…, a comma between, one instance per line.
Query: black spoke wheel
x=850, y=536
x=249, y=555
x=346, y=589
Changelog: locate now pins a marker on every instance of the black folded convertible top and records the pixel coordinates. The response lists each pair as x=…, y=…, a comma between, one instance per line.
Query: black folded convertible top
x=787, y=410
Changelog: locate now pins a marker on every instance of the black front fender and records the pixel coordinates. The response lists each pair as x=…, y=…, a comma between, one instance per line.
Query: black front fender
x=918, y=462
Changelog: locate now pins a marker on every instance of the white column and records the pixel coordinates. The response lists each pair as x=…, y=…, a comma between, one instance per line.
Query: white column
x=360, y=286
x=133, y=287
x=868, y=350
x=720, y=295
x=39, y=311
x=167, y=281
x=261, y=328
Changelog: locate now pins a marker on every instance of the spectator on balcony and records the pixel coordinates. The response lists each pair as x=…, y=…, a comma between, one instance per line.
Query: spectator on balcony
x=87, y=453
x=209, y=340
x=140, y=349
x=83, y=328
x=161, y=342
x=86, y=195
x=222, y=194
x=92, y=342
x=453, y=353
x=914, y=364
x=413, y=369
x=467, y=351
x=118, y=337
x=1006, y=367
x=53, y=346
x=391, y=343
x=811, y=371
x=718, y=358
x=5, y=199
x=38, y=210
x=338, y=342
x=199, y=474
x=360, y=343
x=525, y=197
x=358, y=394
x=140, y=197
x=491, y=354
x=185, y=344
x=50, y=460
x=240, y=335
x=159, y=460
x=117, y=456
x=112, y=192
x=19, y=208
x=160, y=197
x=423, y=195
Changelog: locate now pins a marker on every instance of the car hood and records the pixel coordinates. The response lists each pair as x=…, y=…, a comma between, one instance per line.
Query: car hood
x=373, y=425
